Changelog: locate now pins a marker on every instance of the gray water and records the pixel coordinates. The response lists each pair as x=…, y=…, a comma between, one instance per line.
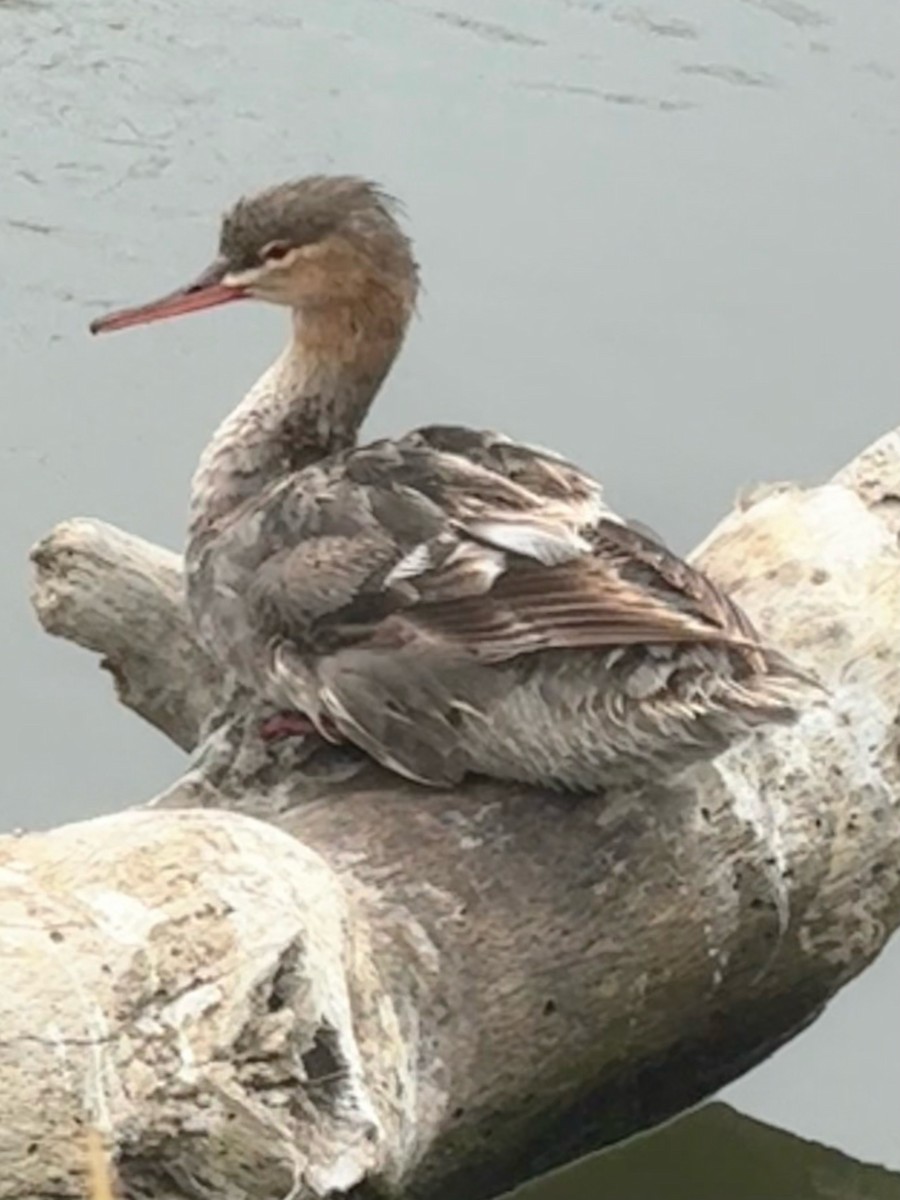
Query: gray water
x=662, y=238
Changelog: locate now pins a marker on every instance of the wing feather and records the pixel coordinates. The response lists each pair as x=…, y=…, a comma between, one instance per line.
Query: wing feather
x=496, y=548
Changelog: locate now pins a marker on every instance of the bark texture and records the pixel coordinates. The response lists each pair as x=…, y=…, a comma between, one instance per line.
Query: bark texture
x=293, y=974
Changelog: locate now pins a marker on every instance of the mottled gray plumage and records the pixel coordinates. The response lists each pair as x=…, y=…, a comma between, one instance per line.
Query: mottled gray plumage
x=450, y=601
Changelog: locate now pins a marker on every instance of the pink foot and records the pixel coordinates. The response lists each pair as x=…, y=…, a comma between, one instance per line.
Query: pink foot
x=285, y=725
x=296, y=724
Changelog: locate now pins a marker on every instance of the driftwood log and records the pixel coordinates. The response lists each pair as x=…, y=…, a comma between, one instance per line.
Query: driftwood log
x=291, y=977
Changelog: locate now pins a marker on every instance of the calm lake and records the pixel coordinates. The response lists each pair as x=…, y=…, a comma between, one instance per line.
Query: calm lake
x=660, y=237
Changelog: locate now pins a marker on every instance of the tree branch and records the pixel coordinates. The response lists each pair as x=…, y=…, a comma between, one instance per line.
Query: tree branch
x=123, y=598
x=399, y=991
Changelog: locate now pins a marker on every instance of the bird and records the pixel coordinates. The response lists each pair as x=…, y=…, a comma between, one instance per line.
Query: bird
x=450, y=601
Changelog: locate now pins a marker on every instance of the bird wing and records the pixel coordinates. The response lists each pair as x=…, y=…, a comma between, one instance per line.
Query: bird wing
x=624, y=590
x=494, y=548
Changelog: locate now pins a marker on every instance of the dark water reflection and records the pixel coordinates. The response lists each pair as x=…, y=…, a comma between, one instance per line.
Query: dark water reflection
x=661, y=237
x=718, y=1154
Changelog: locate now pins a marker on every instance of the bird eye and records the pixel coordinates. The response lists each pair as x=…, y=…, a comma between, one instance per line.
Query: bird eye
x=274, y=252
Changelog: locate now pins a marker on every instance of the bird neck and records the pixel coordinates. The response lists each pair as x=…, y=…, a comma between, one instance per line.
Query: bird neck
x=309, y=404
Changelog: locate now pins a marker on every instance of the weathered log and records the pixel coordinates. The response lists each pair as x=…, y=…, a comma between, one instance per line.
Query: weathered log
x=122, y=597
x=379, y=989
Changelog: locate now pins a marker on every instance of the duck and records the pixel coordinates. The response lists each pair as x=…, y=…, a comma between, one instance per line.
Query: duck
x=452, y=602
